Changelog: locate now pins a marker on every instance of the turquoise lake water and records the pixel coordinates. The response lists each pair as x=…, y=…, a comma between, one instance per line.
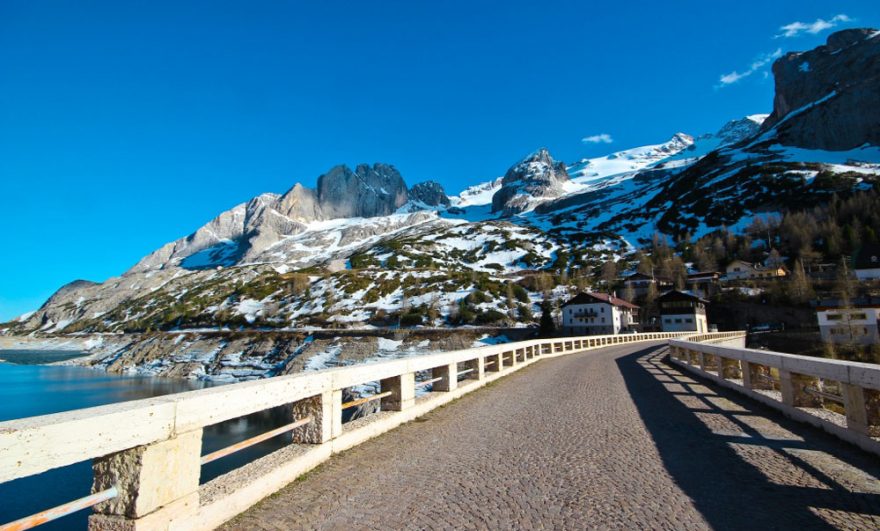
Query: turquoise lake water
x=28, y=389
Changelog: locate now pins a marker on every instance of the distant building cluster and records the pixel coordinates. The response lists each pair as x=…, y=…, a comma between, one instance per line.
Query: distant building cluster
x=606, y=314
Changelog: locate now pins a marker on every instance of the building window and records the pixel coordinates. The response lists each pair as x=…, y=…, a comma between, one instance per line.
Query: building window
x=689, y=320
x=678, y=321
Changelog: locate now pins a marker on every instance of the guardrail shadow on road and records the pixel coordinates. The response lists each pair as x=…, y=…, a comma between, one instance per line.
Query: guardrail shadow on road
x=745, y=465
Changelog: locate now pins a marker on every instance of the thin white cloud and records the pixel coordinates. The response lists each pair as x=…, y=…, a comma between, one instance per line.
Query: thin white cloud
x=602, y=138
x=760, y=62
x=819, y=25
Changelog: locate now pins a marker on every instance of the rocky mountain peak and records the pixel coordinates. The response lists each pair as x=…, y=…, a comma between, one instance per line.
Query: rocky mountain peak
x=430, y=193
x=826, y=98
x=368, y=191
x=737, y=130
x=536, y=177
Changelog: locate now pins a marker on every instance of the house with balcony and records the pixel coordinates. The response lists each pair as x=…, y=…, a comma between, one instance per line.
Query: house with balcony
x=590, y=314
x=682, y=311
x=852, y=323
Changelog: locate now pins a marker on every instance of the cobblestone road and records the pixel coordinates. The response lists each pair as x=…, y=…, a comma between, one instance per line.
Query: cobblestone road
x=613, y=438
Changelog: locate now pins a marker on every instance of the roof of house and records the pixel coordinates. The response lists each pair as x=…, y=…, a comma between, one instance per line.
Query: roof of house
x=703, y=274
x=739, y=261
x=856, y=302
x=642, y=276
x=868, y=257
x=593, y=298
x=680, y=295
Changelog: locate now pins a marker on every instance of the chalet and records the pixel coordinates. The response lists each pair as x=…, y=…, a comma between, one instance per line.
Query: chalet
x=739, y=270
x=866, y=262
x=854, y=323
x=639, y=283
x=742, y=270
x=599, y=314
x=769, y=271
x=682, y=311
x=703, y=284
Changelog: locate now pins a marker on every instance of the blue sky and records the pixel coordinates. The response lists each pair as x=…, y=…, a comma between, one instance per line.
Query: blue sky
x=124, y=125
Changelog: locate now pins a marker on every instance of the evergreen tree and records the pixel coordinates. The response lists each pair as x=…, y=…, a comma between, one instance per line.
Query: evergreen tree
x=547, y=328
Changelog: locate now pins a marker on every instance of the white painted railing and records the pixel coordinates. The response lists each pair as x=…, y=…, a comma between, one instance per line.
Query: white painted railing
x=841, y=397
x=150, y=451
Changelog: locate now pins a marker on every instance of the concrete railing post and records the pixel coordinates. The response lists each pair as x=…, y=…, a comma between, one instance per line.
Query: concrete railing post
x=745, y=369
x=157, y=483
x=854, y=404
x=320, y=408
x=702, y=361
x=449, y=375
x=403, y=392
x=793, y=393
x=335, y=413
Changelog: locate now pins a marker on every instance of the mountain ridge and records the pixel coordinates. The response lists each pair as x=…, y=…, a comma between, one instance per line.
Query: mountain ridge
x=362, y=243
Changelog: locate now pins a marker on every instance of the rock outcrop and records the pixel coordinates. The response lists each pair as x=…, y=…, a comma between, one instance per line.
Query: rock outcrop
x=738, y=130
x=243, y=233
x=829, y=97
x=429, y=193
x=537, y=177
x=366, y=192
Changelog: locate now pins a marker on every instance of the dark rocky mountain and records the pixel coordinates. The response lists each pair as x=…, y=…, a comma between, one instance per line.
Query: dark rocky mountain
x=829, y=97
x=430, y=193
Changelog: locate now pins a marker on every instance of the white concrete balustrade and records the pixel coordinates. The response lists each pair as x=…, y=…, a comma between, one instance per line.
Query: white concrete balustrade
x=150, y=450
x=840, y=397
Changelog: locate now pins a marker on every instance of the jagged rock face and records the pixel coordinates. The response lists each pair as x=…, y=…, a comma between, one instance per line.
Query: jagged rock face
x=738, y=130
x=536, y=177
x=430, y=193
x=244, y=233
x=366, y=192
x=300, y=204
x=829, y=98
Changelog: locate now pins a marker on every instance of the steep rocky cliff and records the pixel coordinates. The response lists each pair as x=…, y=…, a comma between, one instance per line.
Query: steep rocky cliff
x=366, y=192
x=829, y=98
x=429, y=193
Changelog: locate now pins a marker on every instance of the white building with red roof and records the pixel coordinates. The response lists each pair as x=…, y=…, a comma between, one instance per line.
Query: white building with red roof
x=599, y=314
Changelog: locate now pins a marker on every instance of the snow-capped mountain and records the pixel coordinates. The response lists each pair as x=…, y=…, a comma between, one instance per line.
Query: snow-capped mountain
x=361, y=246
x=588, y=171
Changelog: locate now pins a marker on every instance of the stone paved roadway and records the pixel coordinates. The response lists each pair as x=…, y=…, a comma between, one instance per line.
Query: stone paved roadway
x=614, y=438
